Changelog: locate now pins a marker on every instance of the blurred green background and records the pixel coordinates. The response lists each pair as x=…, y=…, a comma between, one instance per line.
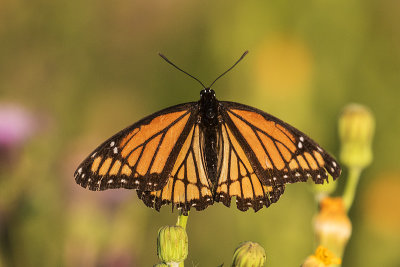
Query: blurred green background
x=73, y=73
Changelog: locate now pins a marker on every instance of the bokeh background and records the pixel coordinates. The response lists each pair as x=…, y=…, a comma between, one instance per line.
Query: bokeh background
x=73, y=73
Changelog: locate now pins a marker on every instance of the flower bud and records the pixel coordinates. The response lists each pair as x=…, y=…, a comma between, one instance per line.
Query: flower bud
x=322, y=258
x=356, y=129
x=249, y=254
x=332, y=226
x=172, y=244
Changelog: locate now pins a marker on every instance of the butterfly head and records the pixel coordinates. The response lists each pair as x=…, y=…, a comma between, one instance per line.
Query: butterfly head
x=207, y=96
x=207, y=92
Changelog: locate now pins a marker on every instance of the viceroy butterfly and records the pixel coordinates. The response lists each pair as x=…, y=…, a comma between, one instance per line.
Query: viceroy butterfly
x=198, y=153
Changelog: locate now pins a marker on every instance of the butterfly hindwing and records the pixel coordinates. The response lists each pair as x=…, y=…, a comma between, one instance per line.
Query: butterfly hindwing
x=187, y=185
x=238, y=179
x=140, y=156
x=278, y=152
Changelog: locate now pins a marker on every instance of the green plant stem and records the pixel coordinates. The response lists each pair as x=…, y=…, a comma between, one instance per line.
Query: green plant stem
x=351, y=187
x=182, y=222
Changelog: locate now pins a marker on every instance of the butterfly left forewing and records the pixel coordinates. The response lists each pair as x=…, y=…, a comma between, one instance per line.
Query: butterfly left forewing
x=140, y=156
x=279, y=153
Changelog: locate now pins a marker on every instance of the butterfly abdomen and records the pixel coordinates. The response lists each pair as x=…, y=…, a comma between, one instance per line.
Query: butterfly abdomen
x=210, y=153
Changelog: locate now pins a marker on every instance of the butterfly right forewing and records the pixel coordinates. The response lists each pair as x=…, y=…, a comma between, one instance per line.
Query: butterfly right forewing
x=278, y=152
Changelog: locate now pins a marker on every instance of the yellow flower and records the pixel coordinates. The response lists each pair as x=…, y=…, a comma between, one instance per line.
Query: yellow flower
x=322, y=258
x=332, y=226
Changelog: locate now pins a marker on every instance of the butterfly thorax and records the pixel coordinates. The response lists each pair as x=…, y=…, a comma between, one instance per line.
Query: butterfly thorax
x=209, y=121
x=208, y=108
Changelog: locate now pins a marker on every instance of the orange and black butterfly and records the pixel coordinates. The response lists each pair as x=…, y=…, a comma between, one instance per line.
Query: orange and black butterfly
x=198, y=153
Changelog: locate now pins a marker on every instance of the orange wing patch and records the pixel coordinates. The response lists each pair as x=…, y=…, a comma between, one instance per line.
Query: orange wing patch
x=273, y=129
x=96, y=164
x=156, y=126
x=115, y=168
x=188, y=185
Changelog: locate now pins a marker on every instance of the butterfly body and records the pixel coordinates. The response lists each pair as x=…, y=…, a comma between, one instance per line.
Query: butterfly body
x=209, y=118
x=198, y=153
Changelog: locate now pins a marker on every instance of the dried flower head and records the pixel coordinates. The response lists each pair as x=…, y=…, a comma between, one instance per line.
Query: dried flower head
x=332, y=226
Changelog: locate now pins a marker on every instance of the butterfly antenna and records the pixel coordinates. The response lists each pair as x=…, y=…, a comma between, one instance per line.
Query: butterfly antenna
x=168, y=61
x=244, y=54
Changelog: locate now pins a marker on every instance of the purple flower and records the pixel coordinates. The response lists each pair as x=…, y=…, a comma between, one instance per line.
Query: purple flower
x=17, y=125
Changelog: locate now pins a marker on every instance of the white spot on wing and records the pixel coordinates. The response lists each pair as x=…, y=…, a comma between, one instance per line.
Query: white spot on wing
x=300, y=145
x=112, y=143
x=137, y=182
x=301, y=138
x=115, y=150
x=110, y=181
x=94, y=154
x=80, y=170
x=334, y=164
